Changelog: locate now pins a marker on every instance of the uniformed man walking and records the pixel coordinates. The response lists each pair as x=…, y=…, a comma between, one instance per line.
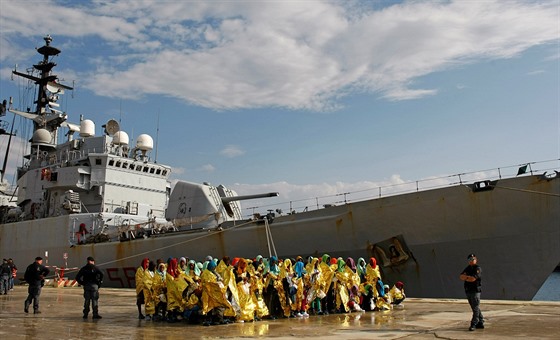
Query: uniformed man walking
x=35, y=276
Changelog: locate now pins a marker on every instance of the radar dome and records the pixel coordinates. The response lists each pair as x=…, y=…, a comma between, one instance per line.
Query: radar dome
x=87, y=128
x=42, y=136
x=144, y=142
x=120, y=138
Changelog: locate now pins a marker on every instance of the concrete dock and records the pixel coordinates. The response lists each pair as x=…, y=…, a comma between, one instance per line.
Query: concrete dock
x=61, y=318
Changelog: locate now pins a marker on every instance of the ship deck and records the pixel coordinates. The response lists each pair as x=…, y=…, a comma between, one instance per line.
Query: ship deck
x=61, y=317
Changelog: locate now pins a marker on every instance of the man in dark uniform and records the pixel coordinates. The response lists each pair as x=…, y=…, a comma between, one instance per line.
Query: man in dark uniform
x=471, y=275
x=5, y=274
x=35, y=277
x=91, y=278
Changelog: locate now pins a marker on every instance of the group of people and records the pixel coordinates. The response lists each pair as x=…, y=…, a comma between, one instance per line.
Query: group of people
x=8, y=272
x=240, y=290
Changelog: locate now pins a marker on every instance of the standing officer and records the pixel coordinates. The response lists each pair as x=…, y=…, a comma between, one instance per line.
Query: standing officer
x=91, y=278
x=472, y=277
x=5, y=274
x=35, y=277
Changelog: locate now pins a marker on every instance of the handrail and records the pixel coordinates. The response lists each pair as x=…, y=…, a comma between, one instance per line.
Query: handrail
x=379, y=191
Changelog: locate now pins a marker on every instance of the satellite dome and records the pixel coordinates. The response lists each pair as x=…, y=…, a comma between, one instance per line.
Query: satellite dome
x=87, y=128
x=42, y=136
x=120, y=138
x=144, y=142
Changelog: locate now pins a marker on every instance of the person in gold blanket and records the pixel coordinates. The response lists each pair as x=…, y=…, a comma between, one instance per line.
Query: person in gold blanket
x=139, y=280
x=287, y=288
x=192, y=298
x=315, y=289
x=373, y=277
x=300, y=305
x=271, y=278
x=397, y=294
x=328, y=267
x=257, y=286
x=160, y=291
x=225, y=270
x=151, y=297
x=342, y=279
x=214, y=296
x=176, y=284
x=247, y=305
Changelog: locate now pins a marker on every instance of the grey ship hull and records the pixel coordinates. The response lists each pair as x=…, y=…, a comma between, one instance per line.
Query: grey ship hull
x=514, y=229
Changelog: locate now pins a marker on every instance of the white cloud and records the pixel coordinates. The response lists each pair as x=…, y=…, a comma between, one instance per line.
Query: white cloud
x=177, y=171
x=534, y=73
x=296, y=55
x=207, y=168
x=232, y=151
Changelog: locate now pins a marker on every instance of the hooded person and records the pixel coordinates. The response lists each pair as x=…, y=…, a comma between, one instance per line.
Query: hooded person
x=192, y=270
x=160, y=291
x=182, y=264
x=342, y=279
x=354, y=277
x=372, y=271
x=287, y=288
x=271, y=295
x=176, y=284
x=247, y=304
x=396, y=293
x=139, y=280
x=361, y=269
x=299, y=277
x=316, y=288
x=327, y=275
x=151, y=296
x=373, y=277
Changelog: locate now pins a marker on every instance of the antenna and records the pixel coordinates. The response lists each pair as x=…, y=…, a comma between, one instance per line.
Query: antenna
x=157, y=137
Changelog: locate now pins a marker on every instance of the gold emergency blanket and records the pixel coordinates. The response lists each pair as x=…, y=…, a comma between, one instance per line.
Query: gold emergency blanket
x=213, y=293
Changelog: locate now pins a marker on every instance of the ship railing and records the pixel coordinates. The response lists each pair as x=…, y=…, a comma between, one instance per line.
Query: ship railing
x=397, y=186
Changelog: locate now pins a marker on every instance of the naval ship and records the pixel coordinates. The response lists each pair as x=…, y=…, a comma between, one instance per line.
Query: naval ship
x=80, y=194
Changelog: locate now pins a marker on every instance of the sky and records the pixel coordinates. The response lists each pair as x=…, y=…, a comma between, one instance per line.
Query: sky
x=305, y=98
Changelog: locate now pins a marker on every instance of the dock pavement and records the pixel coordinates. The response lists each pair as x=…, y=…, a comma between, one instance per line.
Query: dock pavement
x=61, y=318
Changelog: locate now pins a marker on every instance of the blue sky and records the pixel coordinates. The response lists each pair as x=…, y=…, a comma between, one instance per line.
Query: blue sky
x=307, y=98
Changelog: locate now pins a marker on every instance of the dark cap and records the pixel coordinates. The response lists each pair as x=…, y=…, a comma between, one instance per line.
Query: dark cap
x=38, y=258
x=90, y=259
x=471, y=256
